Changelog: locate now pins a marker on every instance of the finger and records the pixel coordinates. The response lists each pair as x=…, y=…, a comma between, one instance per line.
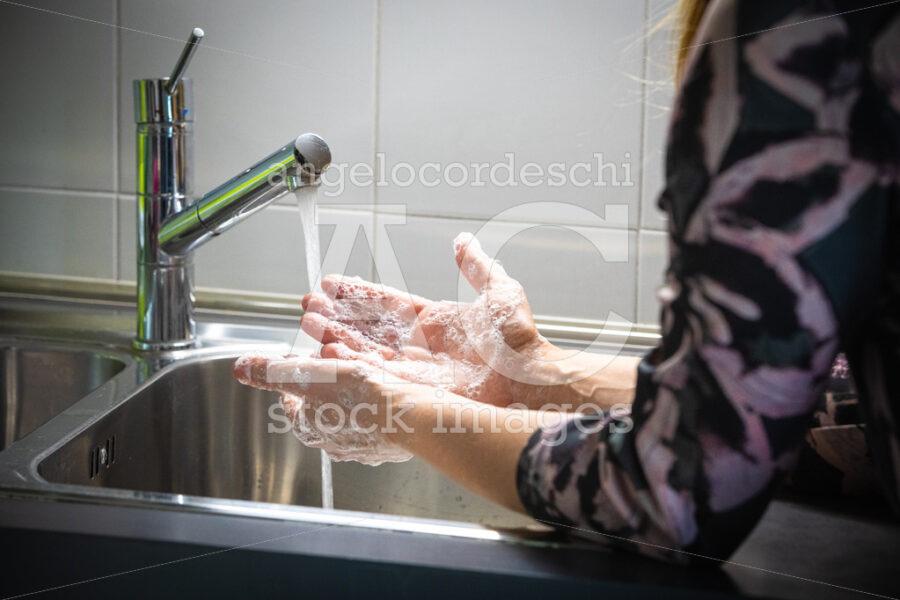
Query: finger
x=291, y=405
x=318, y=303
x=327, y=331
x=385, y=315
x=366, y=321
x=401, y=365
x=478, y=268
x=343, y=352
x=425, y=370
x=340, y=351
x=411, y=371
x=338, y=287
x=417, y=353
x=249, y=369
x=291, y=376
x=366, y=316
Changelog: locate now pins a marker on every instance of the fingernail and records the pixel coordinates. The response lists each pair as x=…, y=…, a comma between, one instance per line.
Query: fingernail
x=462, y=240
x=241, y=370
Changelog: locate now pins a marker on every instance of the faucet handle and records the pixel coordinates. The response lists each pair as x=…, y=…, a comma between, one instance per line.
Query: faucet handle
x=186, y=55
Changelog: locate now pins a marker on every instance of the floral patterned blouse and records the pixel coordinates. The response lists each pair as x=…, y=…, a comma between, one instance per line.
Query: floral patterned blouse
x=782, y=193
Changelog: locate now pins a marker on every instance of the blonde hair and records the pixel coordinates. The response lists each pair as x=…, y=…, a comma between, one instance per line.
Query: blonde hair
x=687, y=15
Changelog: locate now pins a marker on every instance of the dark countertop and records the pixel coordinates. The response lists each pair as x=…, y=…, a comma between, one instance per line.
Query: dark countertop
x=798, y=551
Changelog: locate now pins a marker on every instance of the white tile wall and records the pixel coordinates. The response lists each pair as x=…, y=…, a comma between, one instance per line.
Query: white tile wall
x=57, y=109
x=658, y=92
x=470, y=81
x=653, y=254
x=579, y=272
x=416, y=82
x=76, y=232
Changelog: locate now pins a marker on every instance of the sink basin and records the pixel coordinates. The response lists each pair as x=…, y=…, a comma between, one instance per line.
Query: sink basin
x=37, y=382
x=192, y=431
x=195, y=431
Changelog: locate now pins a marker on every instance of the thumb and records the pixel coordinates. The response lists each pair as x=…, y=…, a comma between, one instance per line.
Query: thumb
x=481, y=271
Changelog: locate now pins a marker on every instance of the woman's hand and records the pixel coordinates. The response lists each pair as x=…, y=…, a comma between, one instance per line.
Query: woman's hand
x=488, y=350
x=474, y=349
x=403, y=375
x=339, y=406
x=344, y=408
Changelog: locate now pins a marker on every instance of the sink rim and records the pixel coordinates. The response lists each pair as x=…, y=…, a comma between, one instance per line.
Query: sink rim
x=104, y=358
x=127, y=361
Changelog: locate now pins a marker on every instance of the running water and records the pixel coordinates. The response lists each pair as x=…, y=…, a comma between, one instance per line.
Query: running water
x=306, y=202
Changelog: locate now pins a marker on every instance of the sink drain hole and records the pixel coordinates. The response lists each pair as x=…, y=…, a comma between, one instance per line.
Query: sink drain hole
x=102, y=455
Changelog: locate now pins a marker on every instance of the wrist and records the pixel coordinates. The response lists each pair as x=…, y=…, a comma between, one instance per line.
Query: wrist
x=603, y=380
x=573, y=380
x=548, y=376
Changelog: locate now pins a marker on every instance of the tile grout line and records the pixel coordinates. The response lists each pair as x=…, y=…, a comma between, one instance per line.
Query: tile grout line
x=376, y=88
x=115, y=116
x=338, y=208
x=35, y=189
x=643, y=114
x=483, y=219
x=643, y=147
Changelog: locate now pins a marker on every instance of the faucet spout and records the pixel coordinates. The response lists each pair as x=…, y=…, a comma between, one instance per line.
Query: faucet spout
x=297, y=164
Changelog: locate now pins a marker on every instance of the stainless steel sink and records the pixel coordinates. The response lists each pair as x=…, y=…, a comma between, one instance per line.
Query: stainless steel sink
x=192, y=431
x=173, y=430
x=195, y=431
x=39, y=381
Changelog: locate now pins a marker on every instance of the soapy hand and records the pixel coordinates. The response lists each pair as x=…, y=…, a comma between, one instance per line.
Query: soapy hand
x=384, y=350
x=484, y=350
x=383, y=345
x=335, y=405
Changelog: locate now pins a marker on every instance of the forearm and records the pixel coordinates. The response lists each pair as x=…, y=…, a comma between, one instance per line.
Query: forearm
x=604, y=380
x=577, y=381
x=476, y=444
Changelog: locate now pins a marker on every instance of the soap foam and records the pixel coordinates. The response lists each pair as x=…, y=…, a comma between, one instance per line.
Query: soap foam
x=347, y=443
x=467, y=346
x=466, y=342
x=340, y=437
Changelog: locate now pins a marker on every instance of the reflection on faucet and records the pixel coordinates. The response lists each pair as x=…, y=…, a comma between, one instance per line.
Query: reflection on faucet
x=170, y=224
x=294, y=165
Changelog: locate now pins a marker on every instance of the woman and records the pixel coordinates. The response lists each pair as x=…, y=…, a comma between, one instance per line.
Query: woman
x=782, y=188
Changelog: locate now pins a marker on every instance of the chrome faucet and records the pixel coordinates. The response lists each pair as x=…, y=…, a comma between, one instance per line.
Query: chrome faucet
x=170, y=223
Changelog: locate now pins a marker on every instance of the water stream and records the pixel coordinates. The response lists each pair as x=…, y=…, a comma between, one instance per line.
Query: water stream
x=306, y=202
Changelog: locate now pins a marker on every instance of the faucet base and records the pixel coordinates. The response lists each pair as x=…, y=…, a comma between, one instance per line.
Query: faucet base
x=165, y=304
